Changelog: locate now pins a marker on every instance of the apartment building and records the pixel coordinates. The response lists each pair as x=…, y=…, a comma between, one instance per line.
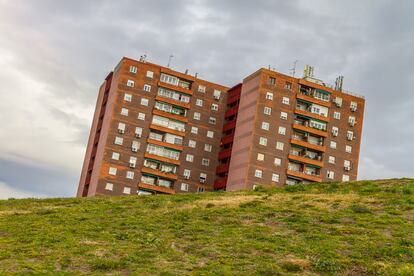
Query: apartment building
x=159, y=131
x=290, y=130
x=154, y=130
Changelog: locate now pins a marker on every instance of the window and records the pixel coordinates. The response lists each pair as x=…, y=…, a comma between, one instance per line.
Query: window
x=169, y=79
x=189, y=158
x=349, y=135
x=138, y=132
x=285, y=100
x=200, y=189
x=283, y=115
x=207, y=147
x=277, y=162
x=331, y=159
x=317, y=125
x=135, y=146
x=269, y=96
x=144, y=101
x=109, y=186
x=184, y=187
x=338, y=101
x=335, y=131
x=271, y=81
x=121, y=128
x=130, y=83
x=119, y=140
x=112, y=171
x=132, y=162
x=130, y=175
x=127, y=97
x=345, y=178
x=347, y=165
x=203, y=177
x=133, y=69
x=192, y=143
x=279, y=145
x=210, y=134
x=197, y=116
x=187, y=173
x=330, y=174
x=258, y=173
x=147, y=88
x=265, y=126
x=141, y=116
x=353, y=106
x=194, y=130
x=127, y=190
x=267, y=110
x=351, y=120
x=212, y=120
x=333, y=145
x=115, y=156
x=201, y=89
x=275, y=177
x=263, y=141
x=124, y=111
x=337, y=115
x=348, y=149
x=214, y=107
x=288, y=86
x=282, y=130
x=150, y=74
x=217, y=94
x=260, y=157
x=199, y=102
x=205, y=162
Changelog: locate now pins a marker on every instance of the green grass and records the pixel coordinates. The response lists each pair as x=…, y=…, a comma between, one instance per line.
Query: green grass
x=358, y=228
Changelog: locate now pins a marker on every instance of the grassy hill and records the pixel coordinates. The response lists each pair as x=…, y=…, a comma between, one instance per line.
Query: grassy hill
x=356, y=228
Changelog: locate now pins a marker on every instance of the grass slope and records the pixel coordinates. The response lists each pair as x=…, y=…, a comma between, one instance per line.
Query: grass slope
x=357, y=228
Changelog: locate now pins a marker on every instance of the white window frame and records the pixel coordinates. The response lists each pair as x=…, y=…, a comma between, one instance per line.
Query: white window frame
x=258, y=173
x=269, y=96
x=127, y=97
x=265, y=126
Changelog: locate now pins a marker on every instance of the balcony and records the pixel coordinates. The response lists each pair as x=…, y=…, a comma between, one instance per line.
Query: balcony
x=304, y=143
x=159, y=173
x=305, y=159
x=304, y=126
x=227, y=139
x=222, y=168
x=172, y=101
x=229, y=125
x=306, y=112
x=224, y=153
x=159, y=189
x=166, y=129
x=165, y=144
x=303, y=175
x=161, y=158
x=307, y=96
x=231, y=111
x=175, y=88
x=169, y=115
x=220, y=183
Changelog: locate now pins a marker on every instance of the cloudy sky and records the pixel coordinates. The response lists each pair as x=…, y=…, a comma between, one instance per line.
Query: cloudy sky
x=54, y=55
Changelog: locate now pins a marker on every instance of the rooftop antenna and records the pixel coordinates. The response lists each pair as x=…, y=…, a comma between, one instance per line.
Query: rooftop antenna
x=293, y=69
x=338, y=83
x=169, y=60
x=196, y=74
x=268, y=67
x=308, y=72
x=186, y=71
x=143, y=57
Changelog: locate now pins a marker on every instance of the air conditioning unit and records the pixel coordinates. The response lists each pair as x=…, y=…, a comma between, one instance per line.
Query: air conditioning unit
x=134, y=149
x=349, y=138
x=202, y=180
x=352, y=123
x=347, y=168
x=120, y=130
x=217, y=97
x=132, y=165
x=186, y=177
x=138, y=135
x=334, y=133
